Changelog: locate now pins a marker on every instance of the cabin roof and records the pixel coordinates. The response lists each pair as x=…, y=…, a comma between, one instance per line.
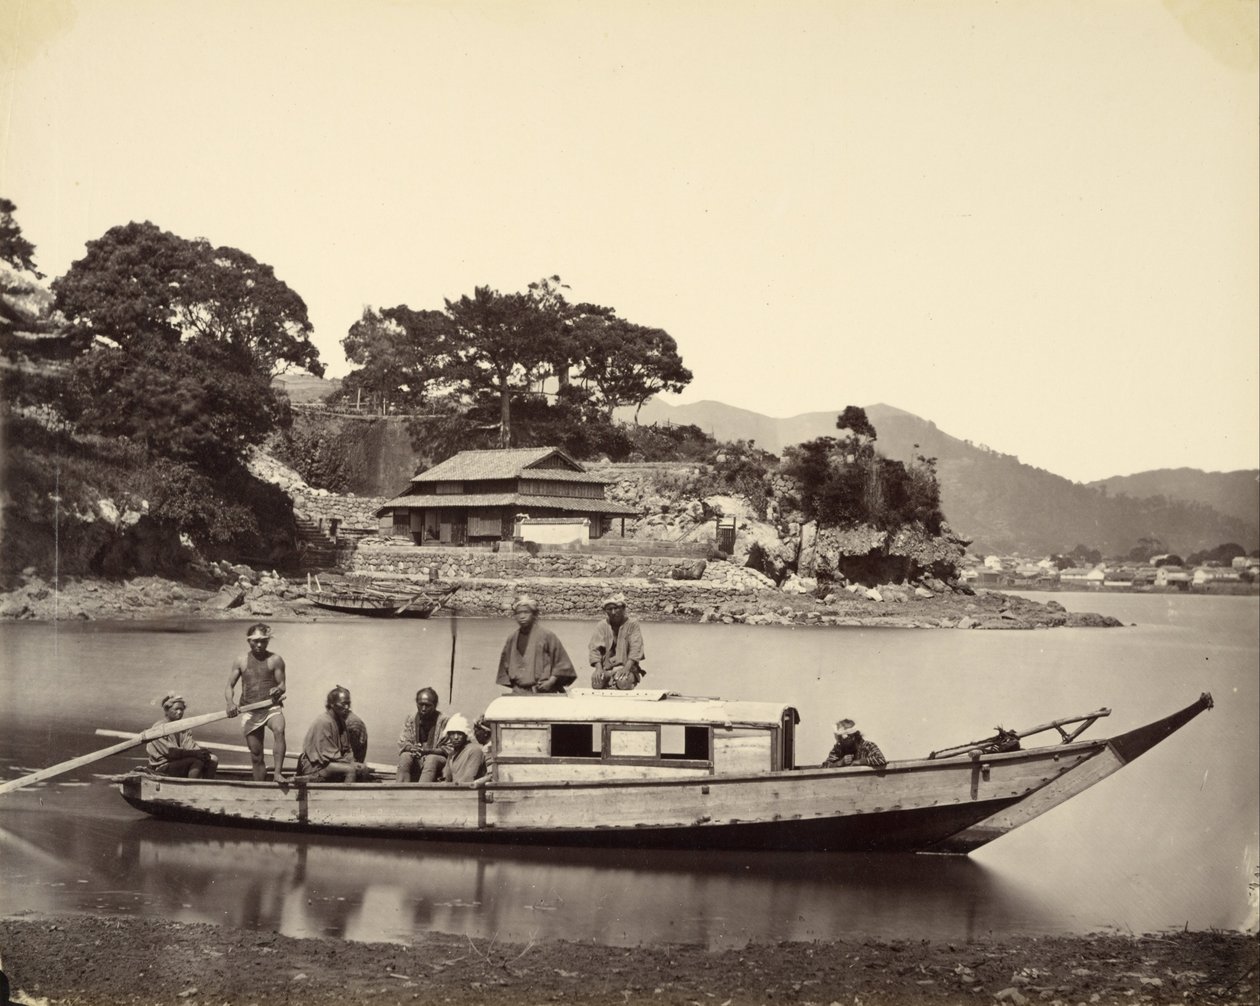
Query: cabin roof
x=506, y=463
x=522, y=501
x=643, y=705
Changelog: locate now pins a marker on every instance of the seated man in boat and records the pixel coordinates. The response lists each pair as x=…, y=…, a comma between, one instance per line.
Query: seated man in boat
x=356, y=730
x=327, y=755
x=178, y=754
x=484, y=736
x=465, y=762
x=261, y=674
x=533, y=658
x=851, y=748
x=616, y=648
x=420, y=758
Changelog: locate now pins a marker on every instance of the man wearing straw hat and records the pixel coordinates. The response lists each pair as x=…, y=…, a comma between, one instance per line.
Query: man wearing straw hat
x=616, y=648
x=852, y=748
x=261, y=674
x=178, y=754
x=533, y=658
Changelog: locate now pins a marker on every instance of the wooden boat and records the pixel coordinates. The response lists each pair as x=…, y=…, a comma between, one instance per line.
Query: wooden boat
x=654, y=769
x=355, y=600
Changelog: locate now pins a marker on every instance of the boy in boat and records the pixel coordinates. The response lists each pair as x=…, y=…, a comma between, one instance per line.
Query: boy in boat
x=178, y=754
x=851, y=748
x=616, y=648
x=327, y=754
x=261, y=674
x=420, y=758
x=465, y=762
x=533, y=658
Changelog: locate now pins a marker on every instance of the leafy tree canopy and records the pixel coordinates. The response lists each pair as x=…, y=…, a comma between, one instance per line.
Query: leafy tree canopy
x=627, y=363
x=187, y=403
x=401, y=355
x=139, y=285
x=14, y=248
x=854, y=419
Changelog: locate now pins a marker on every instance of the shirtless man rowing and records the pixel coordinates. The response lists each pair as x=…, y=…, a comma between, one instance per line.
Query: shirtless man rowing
x=261, y=674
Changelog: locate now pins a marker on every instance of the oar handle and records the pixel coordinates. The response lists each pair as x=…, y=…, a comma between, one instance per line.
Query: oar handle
x=152, y=734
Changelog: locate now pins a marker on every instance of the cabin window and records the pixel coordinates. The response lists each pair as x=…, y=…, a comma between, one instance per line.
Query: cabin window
x=679, y=741
x=743, y=750
x=632, y=743
x=522, y=741
x=574, y=740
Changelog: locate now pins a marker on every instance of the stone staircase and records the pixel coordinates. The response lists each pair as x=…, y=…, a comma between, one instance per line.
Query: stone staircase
x=316, y=548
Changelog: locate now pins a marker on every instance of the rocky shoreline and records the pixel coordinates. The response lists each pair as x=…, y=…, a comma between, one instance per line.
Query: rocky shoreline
x=244, y=593
x=95, y=960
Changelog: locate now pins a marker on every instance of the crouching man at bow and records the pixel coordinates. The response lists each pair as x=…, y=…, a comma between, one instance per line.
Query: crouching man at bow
x=178, y=754
x=327, y=753
x=851, y=748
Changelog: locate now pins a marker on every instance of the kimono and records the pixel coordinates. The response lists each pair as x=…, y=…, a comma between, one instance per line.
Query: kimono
x=326, y=742
x=544, y=657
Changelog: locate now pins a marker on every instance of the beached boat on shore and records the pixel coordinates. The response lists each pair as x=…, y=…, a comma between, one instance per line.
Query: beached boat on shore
x=654, y=769
x=375, y=603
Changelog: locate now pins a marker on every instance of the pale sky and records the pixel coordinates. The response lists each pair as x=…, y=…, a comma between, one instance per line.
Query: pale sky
x=1035, y=224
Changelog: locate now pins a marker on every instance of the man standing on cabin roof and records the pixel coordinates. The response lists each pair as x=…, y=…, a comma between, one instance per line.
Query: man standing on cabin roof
x=327, y=755
x=178, y=754
x=261, y=674
x=420, y=759
x=852, y=748
x=616, y=648
x=465, y=762
x=533, y=658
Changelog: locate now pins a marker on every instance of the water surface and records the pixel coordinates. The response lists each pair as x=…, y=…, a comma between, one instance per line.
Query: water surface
x=1170, y=841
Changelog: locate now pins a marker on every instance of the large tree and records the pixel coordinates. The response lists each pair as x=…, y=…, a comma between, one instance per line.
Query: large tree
x=138, y=283
x=628, y=363
x=187, y=338
x=502, y=344
x=401, y=355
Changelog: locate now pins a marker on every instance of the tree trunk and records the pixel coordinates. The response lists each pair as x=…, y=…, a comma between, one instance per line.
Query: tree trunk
x=505, y=418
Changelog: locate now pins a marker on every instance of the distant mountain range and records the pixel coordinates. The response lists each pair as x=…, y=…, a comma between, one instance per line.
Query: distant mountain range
x=1005, y=506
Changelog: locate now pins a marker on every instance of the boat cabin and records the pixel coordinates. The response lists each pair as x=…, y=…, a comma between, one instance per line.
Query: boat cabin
x=587, y=735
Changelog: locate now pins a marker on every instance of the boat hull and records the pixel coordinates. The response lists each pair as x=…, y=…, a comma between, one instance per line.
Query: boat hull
x=904, y=807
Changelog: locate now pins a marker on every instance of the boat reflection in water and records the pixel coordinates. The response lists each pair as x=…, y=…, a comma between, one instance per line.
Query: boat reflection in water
x=391, y=891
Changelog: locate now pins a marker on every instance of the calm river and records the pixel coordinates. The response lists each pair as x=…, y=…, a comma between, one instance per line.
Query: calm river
x=1168, y=842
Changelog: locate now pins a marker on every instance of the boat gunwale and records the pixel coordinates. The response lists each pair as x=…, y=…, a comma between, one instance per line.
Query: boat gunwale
x=383, y=783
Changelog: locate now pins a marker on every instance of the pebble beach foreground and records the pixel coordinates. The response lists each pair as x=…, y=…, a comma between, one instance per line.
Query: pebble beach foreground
x=98, y=961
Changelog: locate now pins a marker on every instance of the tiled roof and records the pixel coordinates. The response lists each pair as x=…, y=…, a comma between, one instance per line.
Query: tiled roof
x=503, y=464
x=574, y=504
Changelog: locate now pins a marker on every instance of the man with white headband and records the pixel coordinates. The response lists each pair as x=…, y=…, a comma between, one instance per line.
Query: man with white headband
x=261, y=674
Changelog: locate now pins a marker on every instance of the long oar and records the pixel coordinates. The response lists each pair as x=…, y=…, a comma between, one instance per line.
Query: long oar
x=450, y=691
x=152, y=734
x=240, y=749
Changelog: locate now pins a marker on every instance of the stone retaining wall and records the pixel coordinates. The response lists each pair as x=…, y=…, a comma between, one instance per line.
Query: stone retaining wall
x=583, y=597
x=353, y=512
x=466, y=563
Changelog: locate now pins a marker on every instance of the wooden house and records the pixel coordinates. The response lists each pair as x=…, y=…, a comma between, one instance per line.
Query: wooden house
x=478, y=496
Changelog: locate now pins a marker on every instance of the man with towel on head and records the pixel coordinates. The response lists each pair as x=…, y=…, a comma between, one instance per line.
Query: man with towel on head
x=616, y=648
x=465, y=762
x=261, y=674
x=852, y=748
x=533, y=660
x=178, y=754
